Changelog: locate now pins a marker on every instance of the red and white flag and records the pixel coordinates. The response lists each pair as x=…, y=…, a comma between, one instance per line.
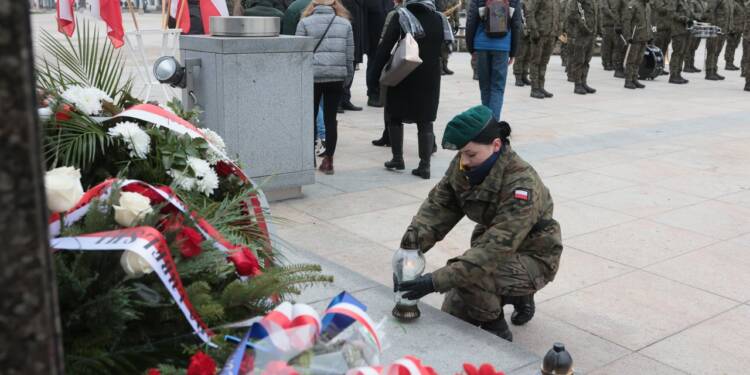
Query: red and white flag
x=109, y=12
x=211, y=8
x=66, y=22
x=180, y=6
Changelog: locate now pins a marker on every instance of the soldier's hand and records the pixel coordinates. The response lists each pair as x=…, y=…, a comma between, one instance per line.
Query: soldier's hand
x=618, y=31
x=630, y=41
x=417, y=288
x=682, y=19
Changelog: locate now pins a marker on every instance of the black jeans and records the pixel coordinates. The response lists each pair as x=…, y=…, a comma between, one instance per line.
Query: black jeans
x=331, y=93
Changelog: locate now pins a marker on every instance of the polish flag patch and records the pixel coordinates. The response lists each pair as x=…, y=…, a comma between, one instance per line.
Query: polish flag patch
x=521, y=194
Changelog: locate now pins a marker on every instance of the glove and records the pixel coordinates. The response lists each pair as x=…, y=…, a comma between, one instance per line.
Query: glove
x=630, y=41
x=417, y=288
x=691, y=23
x=651, y=41
x=682, y=19
x=618, y=31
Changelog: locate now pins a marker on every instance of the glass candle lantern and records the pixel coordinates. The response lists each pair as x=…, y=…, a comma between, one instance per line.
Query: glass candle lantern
x=408, y=264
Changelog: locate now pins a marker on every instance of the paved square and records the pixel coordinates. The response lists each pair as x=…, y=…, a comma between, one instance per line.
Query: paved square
x=653, y=194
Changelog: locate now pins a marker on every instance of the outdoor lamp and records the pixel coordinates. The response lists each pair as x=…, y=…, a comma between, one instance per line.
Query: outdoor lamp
x=168, y=70
x=408, y=264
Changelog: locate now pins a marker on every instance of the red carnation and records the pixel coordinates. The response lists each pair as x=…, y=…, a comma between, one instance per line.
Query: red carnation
x=190, y=242
x=153, y=371
x=224, y=169
x=245, y=261
x=64, y=113
x=484, y=369
x=201, y=364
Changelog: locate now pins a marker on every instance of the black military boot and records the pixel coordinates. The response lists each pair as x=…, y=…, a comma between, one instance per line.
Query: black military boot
x=619, y=73
x=712, y=75
x=446, y=71
x=638, y=84
x=396, y=136
x=536, y=92
x=383, y=140
x=546, y=93
x=629, y=84
x=690, y=68
x=499, y=327
x=747, y=84
x=519, y=80
x=664, y=73
x=426, y=141
x=677, y=79
x=579, y=89
x=524, y=309
x=731, y=66
x=589, y=89
x=525, y=79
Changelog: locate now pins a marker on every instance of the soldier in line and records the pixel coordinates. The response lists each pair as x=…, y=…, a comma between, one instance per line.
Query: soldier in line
x=735, y=35
x=699, y=9
x=450, y=9
x=621, y=43
x=516, y=244
x=582, y=17
x=661, y=18
x=719, y=13
x=609, y=21
x=563, y=37
x=637, y=24
x=521, y=65
x=543, y=23
x=682, y=17
x=745, y=64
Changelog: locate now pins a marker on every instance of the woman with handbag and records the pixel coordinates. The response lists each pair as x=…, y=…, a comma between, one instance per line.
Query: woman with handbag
x=415, y=98
x=333, y=64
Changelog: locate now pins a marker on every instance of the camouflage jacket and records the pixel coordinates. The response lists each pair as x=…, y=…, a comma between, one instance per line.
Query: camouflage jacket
x=582, y=17
x=721, y=13
x=680, y=13
x=739, y=17
x=610, y=13
x=746, y=22
x=636, y=23
x=513, y=212
x=699, y=8
x=660, y=13
x=543, y=17
x=563, y=7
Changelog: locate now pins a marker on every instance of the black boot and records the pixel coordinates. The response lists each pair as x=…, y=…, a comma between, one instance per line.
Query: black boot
x=446, y=71
x=519, y=80
x=396, y=136
x=589, y=89
x=731, y=66
x=383, y=141
x=691, y=69
x=619, y=73
x=426, y=142
x=499, y=327
x=536, y=93
x=677, y=79
x=747, y=84
x=629, y=85
x=525, y=79
x=524, y=309
x=546, y=93
x=638, y=84
x=579, y=89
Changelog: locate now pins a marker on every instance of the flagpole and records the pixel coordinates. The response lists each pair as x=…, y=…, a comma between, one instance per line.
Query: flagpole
x=132, y=13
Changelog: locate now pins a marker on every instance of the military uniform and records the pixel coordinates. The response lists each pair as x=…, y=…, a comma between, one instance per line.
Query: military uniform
x=609, y=21
x=516, y=244
x=699, y=9
x=582, y=17
x=620, y=46
x=450, y=9
x=637, y=24
x=661, y=18
x=719, y=13
x=745, y=64
x=543, y=24
x=564, y=46
x=521, y=65
x=735, y=35
x=681, y=14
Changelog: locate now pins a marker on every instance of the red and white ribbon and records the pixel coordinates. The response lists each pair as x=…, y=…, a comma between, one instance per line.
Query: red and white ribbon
x=408, y=365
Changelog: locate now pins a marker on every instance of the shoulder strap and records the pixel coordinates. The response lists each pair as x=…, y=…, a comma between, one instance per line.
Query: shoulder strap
x=324, y=34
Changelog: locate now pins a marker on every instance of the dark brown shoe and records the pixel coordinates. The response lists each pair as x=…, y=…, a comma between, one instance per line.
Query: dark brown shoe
x=326, y=166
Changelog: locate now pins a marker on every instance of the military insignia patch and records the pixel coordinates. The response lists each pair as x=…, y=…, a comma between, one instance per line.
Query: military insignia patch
x=521, y=194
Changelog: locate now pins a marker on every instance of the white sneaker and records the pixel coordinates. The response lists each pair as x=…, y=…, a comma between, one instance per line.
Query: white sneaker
x=320, y=148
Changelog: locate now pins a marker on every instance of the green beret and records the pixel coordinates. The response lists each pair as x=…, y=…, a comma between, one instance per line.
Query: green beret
x=465, y=126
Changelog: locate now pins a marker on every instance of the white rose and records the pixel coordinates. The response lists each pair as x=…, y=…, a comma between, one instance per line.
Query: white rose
x=132, y=209
x=134, y=264
x=63, y=187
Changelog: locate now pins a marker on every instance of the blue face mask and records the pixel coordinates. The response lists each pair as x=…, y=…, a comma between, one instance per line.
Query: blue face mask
x=477, y=174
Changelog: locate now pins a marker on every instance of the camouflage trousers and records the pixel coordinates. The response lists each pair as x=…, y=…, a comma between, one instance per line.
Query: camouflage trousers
x=483, y=300
x=693, y=45
x=635, y=58
x=445, y=53
x=733, y=41
x=580, y=58
x=713, y=50
x=521, y=65
x=610, y=42
x=540, y=52
x=680, y=46
x=662, y=39
x=745, y=64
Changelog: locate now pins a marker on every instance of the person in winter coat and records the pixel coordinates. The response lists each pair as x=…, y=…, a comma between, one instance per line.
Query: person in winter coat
x=264, y=8
x=358, y=12
x=494, y=54
x=416, y=98
x=333, y=63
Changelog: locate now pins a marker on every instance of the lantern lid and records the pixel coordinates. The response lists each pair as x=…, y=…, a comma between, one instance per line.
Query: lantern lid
x=410, y=241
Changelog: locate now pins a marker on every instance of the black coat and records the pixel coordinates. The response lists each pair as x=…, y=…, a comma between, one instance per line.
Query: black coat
x=473, y=21
x=359, y=26
x=416, y=98
x=376, y=11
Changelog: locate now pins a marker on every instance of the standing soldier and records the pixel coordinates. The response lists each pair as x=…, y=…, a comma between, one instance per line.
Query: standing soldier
x=682, y=16
x=450, y=9
x=543, y=23
x=637, y=26
x=521, y=65
x=610, y=40
x=564, y=40
x=719, y=13
x=621, y=43
x=745, y=64
x=660, y=11
x=699, y=10
x=735, y=35
x=582, y=17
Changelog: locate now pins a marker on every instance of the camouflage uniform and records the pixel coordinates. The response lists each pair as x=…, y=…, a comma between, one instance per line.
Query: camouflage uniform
x=680, y=13
x=699, y=9
x=661, y=18
x=563, y=46
x=543, y=23
x=442, y=6
x=609, y=21
x=582, y=17
x=516, y=244
x=735, y=35
x=621, y=45
x=719, y=13
x=636, y=24
x=745, y=64
x=521, y=65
